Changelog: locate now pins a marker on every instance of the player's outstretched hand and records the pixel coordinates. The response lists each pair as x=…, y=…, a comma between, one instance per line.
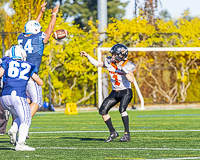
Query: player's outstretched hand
x=43, y=7
x=55, y=9
x=83, y=53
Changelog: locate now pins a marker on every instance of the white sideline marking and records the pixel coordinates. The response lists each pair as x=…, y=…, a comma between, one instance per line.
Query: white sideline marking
x=120, y=131
x=177, y=149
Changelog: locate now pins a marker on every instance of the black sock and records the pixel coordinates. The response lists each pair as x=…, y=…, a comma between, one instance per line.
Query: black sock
x=125, y=120
x=109, y=125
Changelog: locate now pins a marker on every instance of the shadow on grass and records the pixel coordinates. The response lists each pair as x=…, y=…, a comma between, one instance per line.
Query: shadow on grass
x=3, y=147
x=6, y=148
x=4, y=141
x=84, y=139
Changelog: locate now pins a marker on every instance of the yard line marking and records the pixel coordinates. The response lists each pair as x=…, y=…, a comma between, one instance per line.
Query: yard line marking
x=177, y=158
x=119, y=131
x=177, y=149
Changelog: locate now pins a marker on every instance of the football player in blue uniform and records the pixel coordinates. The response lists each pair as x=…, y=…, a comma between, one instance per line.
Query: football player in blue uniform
x=16, y=74
x=33, y=41
x=121, y=75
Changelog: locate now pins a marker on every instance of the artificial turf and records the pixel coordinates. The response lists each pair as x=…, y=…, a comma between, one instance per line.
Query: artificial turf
x=155, y=134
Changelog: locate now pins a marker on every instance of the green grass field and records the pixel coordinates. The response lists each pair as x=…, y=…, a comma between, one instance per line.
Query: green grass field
x=155, y=134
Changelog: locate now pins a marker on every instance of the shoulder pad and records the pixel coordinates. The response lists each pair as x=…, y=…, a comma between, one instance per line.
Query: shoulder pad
x=5, y=60
x=130, y=66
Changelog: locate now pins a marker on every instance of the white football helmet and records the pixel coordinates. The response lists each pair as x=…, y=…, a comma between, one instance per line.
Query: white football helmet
x=16, y=52
x=32, y=27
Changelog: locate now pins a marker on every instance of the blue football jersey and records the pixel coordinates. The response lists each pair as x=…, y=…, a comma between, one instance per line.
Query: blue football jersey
x=34, y=47
x=16, y=76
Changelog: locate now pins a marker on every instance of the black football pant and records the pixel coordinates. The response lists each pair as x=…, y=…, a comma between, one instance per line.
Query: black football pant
x=122, y=96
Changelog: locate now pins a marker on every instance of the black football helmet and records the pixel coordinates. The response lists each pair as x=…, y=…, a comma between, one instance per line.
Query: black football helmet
x=120, y=50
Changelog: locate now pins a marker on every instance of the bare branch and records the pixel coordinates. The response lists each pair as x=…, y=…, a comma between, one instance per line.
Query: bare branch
x=85, y=98
x=157, y=90
x=74, y=83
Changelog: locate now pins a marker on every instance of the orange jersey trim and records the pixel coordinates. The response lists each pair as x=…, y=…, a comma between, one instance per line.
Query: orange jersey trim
x=135, y=69
x=114, y=65
x=116, y=73
x=123, y=64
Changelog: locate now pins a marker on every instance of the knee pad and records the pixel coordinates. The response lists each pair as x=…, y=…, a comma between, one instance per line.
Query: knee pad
x=122, y=109
x=102, y=111
x=123, y=114
x=107, y=104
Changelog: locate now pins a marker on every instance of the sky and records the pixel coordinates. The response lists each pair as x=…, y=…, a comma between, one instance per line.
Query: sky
x=174, y=7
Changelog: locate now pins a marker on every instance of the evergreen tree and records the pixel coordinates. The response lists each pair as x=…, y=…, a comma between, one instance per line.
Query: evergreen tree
x=84, y=10
x=187, y=15
x=164, y=14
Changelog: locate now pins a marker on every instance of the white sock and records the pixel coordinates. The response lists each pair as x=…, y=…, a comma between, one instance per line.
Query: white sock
x=23, y=131
x=14, y=127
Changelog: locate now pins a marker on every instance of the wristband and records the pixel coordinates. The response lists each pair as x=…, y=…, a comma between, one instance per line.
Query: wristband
x=53, y=13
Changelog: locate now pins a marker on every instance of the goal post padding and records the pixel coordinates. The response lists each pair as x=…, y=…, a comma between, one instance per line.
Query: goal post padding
x=137, y=49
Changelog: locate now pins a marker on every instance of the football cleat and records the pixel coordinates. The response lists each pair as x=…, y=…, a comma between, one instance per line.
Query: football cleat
x=112, y=136
x=13, y=136
x=125, y=138
x=23, y=147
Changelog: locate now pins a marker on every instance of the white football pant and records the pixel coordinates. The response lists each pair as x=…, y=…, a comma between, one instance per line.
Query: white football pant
x=34, y=92
x=20, y=108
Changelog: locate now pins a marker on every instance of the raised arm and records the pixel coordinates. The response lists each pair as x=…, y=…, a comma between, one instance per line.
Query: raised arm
x=37, y=79
x=52, y=23
x=42, y=10
x=92, y=60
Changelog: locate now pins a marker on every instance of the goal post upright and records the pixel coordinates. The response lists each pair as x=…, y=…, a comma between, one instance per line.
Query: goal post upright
x=136, y=49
